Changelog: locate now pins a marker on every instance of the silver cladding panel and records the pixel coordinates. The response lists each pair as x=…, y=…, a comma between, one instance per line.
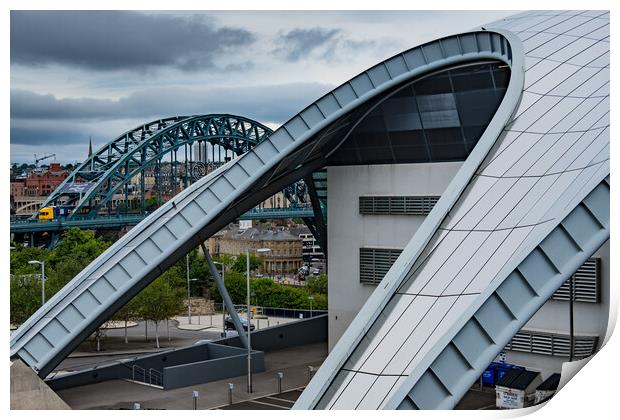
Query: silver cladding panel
x=553, y=152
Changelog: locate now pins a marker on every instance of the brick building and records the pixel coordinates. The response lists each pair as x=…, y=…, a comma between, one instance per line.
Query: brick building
x=41, y=182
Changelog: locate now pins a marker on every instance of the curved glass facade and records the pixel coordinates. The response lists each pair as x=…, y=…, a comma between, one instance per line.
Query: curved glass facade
x=437, y=118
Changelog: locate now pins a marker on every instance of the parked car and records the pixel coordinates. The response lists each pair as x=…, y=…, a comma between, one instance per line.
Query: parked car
x=230, y=325
x=316, y=271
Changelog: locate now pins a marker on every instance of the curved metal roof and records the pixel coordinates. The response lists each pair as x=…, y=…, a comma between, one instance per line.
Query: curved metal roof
x=547, y=158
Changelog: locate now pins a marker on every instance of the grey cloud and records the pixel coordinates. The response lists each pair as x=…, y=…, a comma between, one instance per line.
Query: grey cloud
x=118, y=40
x=299, y=43
x=327, y=45
x=273, y=103
x=45, y=119
x=44, y=134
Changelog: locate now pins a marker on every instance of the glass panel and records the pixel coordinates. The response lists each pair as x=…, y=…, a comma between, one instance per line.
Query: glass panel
x=436, y=118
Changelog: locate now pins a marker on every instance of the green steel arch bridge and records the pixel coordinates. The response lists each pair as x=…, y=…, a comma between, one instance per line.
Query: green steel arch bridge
x=109, y=189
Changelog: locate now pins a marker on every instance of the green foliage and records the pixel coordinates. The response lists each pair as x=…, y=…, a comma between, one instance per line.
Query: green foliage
x=317, y=284
x=25, y=295
x=74, y=252
x=240, y=264
x=268, y=293
x=227, y=260
x=150, y=204
x=129, y=312
x=235, y=284
x=198, y=269
x=161, y=300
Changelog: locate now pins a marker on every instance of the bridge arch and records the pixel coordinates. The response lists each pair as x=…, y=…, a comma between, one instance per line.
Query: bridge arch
x=93, y=184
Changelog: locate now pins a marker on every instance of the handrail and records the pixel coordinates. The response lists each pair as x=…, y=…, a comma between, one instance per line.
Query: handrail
x=140, y=368
x=159, y=376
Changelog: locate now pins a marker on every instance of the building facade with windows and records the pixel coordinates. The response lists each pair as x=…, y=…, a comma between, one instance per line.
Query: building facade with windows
x=286, y=250
x=41, y=182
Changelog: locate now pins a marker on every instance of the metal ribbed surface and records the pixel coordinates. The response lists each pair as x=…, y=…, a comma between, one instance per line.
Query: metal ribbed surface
x=442, y=313
x=397, y=205
x=552, y=344
x=586, y=283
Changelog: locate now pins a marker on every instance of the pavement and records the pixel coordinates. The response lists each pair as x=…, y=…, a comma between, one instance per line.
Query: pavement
x=141, y=340
x=216, y=321
x=279, y=401
x=121, y=394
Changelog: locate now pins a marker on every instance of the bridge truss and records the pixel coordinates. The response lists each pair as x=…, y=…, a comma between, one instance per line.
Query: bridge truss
x=161, y=150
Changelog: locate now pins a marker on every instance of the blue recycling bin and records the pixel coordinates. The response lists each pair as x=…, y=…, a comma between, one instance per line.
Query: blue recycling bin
x=489, y=375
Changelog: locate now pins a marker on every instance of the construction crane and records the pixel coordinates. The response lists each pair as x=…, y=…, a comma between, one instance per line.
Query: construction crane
x=37, y=160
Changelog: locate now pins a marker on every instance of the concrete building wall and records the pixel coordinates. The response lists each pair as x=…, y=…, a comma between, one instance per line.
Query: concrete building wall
x=348, y=230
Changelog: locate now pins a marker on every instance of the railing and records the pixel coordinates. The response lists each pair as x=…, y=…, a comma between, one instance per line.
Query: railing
x=27, y=225
x=152, y=377
x=103, y=218
x=159, y=377
x=139, y=369
x=277, y=312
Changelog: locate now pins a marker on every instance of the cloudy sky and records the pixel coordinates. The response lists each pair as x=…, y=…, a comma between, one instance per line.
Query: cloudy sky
x=76, y=75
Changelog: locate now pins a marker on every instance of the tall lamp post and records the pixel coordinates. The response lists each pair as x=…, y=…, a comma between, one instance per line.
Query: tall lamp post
x=42, y=264
x=189, y=301
x=223, y=306
x=311, y=299
x=249, y=320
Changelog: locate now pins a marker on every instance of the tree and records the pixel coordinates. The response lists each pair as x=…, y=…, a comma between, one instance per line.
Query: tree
x=235, y=284
x=240, y=264
x=160, y=301
x=127, y=313
x=25, y=296
x=269, y=294
x=73, y=253
x=150, y=204
x=317, y=284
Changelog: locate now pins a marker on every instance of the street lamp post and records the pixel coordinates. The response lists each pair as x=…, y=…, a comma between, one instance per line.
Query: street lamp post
x=189, y=301
x=249, y=317
x=42, y=264
x=253, y=294
x=189, y=305
x=223, y=309
x=311, y=299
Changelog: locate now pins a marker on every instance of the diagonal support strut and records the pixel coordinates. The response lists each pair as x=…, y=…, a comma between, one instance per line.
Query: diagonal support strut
x=230, y=307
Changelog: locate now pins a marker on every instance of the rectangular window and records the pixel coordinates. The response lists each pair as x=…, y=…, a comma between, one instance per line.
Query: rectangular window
x=586, y=283
x=396, y=205
x=552, y=344
x=375, y=263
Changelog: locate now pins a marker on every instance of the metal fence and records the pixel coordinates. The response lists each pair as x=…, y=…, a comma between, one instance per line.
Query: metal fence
x=277, y=312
